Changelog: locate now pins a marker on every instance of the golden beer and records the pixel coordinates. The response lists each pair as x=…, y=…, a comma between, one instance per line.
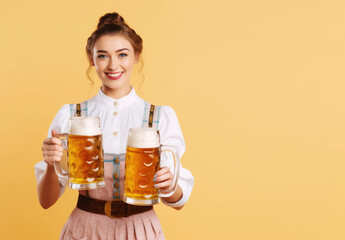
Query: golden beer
x=85, y=154
x=141, y=166
x=85, y=159
x=142, y=163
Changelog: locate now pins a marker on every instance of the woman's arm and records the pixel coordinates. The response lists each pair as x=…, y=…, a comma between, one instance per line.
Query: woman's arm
x=171, y=135
x=175, y=197
x=48, y=186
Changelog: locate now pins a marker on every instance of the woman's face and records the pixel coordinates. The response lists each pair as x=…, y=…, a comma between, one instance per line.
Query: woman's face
x=113, y=57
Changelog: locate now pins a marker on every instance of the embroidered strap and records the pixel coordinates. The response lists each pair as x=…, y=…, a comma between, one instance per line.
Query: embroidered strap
x=152, y=109
x=79, y=109
x=78, y=112
x=151, y=116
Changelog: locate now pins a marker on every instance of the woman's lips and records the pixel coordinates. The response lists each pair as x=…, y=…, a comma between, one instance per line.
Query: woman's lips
x=114, y=76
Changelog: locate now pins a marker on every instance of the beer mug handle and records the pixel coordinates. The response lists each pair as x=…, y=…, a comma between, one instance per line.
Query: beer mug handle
x=176, y=172
x=57, y=166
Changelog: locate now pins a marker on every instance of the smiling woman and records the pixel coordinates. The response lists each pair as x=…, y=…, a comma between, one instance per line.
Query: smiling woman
x=113, y=49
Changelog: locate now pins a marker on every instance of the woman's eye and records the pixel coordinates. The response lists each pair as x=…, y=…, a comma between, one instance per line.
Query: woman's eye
x=101, y=56
x=123, y=55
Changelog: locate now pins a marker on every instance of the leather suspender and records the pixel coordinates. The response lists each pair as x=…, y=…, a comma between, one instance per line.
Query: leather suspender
x=78, y=111
x=152, y=110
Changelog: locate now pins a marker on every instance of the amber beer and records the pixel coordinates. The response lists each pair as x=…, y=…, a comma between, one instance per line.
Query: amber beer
x=142, y=163
x=141, y=166
x=85, y=154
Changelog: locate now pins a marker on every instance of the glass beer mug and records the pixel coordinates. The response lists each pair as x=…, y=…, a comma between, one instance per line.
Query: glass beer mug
x=142, y=162
x=84, y=154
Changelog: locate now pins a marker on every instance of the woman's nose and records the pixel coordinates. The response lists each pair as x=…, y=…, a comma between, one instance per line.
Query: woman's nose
x=113, y=63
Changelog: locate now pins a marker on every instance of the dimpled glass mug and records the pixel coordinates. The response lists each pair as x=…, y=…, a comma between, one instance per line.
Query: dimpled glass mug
x=142, y=162
x=84, y=153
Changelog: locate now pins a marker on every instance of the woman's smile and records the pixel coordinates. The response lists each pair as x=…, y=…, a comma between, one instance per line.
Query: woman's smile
x=114, y=76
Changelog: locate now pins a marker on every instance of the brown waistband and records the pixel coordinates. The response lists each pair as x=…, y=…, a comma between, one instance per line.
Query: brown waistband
x=113, y=209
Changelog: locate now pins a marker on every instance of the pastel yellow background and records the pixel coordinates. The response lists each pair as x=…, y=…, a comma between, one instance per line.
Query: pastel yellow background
x=258, y=87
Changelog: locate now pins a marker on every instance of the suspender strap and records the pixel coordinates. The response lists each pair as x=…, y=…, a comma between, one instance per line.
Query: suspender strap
x=78, y=111
x=152, y=110
x=151, y=116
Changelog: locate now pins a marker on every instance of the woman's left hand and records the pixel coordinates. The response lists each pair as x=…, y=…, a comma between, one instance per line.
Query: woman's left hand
x=163, y=179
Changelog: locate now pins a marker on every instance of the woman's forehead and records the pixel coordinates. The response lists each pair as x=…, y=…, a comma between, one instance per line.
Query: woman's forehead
x=112, y=43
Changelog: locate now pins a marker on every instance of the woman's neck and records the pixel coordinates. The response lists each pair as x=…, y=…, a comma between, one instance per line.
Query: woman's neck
x=116, y=93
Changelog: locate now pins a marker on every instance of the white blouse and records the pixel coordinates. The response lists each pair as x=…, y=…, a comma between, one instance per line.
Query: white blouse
x=117, y=117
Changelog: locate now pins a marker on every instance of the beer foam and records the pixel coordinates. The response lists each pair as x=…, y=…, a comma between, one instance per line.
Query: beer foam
x=85, y=126
x=143, y=138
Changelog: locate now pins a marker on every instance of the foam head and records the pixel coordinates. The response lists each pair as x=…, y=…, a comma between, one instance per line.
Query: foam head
x=143, y=138
x=85, y=126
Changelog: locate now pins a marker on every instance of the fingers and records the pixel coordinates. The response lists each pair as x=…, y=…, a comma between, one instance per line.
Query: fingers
x=52, y=153
x=163, y=178
x=57, y=135
x=52, y=149
x=52, y=141
x=162, y=171
x=52, y=144
x=54, y=132
x=51, y=159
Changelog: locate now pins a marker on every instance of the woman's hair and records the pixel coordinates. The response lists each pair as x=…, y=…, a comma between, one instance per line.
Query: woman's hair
x=112, y=23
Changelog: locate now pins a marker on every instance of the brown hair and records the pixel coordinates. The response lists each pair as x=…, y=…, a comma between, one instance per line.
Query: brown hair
x=112, y=23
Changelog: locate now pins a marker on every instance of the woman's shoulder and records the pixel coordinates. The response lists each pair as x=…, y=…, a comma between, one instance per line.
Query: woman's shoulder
x=167, y=117
x=85, y=107
x=67, y=110
x=167, y=112
x=64, y=110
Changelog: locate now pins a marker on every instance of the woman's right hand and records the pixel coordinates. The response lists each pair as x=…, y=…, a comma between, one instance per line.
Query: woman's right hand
x=52, y=149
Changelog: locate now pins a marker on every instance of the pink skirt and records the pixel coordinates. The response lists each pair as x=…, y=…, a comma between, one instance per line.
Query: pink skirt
x=82, y=225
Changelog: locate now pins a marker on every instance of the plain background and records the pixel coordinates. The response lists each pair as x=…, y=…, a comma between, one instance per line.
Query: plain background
x=258, y=87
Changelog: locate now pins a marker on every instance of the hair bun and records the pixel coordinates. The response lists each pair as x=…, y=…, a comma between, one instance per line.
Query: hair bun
x=111, y=18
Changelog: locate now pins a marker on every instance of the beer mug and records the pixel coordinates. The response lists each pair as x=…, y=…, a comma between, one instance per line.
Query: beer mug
x=84, y=154
x=142, y=162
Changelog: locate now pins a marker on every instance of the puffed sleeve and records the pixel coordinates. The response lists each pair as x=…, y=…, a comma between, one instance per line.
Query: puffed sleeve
x=60, y=124
x=171, y=134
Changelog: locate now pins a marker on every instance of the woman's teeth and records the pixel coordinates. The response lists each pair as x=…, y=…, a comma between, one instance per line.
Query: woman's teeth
x=113, y=74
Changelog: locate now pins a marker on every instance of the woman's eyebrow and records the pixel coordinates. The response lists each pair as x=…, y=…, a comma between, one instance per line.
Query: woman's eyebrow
x=122, y=49
x=119, y=50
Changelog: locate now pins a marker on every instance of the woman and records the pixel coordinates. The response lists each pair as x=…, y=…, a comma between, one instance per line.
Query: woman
x=113, y=49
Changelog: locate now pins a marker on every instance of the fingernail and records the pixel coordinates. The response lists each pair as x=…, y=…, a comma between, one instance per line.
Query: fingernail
x=155, y=175
x=156, y=185
x=155, y=180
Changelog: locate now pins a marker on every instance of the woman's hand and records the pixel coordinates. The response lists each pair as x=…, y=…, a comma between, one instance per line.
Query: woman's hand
x=52, y=149
x=163, y=180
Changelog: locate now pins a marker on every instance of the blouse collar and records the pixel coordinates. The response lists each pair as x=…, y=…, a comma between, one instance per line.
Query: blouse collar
x=121, y=102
